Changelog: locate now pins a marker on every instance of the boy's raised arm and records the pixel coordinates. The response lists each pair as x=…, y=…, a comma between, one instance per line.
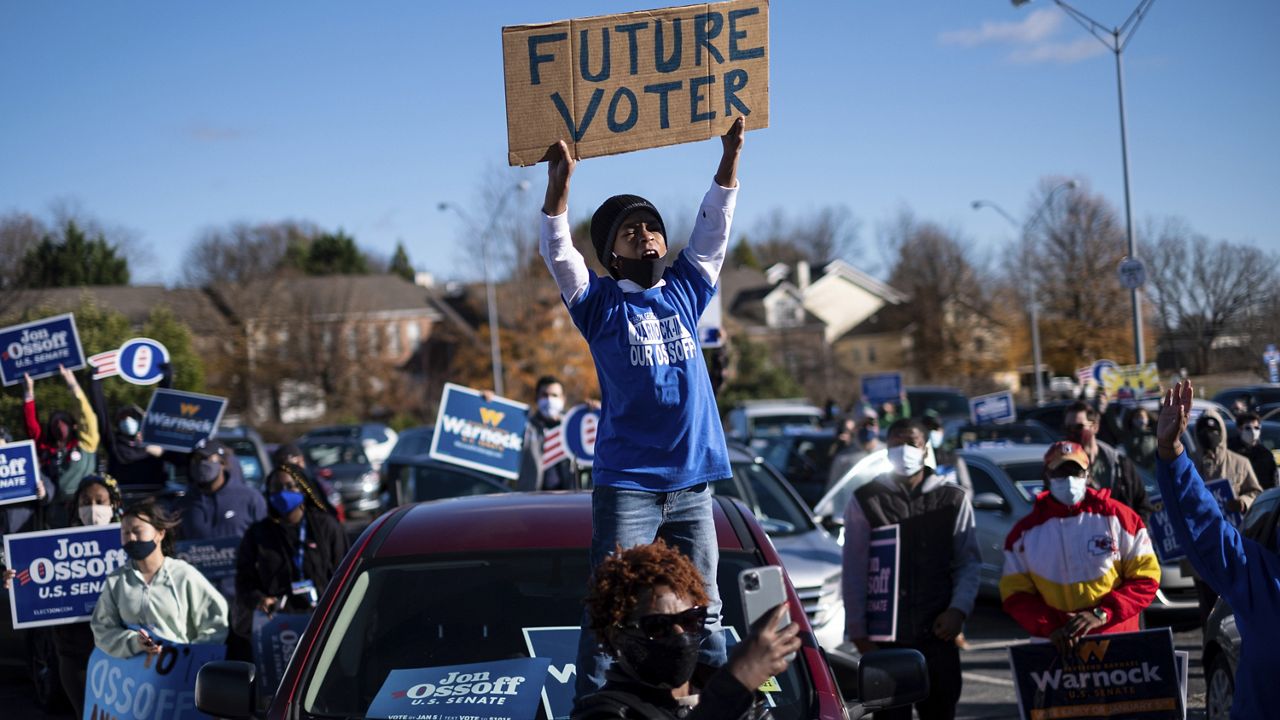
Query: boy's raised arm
x=566, y=264
x=560, y=165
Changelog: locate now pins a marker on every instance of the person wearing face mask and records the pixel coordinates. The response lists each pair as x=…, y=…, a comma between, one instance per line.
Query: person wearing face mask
x=1248, y=443
x=220, y=503
x=1110, y=470
x=1140, y=439
x=67, y=445
x=1214, y=461
x=286, y=560
x=1079, y=563
x=155, y=597
x=137, y=465
x=648, y=606
x=940, y=564
x=660, y=443
x=546, y=414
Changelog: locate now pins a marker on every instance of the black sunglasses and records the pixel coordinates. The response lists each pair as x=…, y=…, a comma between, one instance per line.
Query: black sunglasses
x=659, y=626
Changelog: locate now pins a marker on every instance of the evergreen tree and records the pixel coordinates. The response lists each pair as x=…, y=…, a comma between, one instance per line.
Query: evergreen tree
x=72, y=260
x=335, y=254
x=400, y=263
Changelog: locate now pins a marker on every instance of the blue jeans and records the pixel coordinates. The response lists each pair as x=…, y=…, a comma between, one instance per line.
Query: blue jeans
x=636, y=517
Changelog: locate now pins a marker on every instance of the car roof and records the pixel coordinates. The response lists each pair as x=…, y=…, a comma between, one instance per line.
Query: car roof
x=1010, y=454
x=511, y=521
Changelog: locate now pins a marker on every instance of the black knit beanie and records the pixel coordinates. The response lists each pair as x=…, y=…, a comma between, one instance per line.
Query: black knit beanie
x=608, y=218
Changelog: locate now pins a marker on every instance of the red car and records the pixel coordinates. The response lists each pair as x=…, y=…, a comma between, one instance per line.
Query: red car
x=485, y=578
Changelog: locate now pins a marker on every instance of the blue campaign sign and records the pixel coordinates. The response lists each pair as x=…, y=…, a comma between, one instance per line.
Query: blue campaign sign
x=993, y=408
x=1101, y=367
x=177, y=420
x=215, y=559
x=497, y=690
x=140, y=361
x=580, y=425
x=60, y=572
x=884, y=387
x=1160, y=527
x=275, y=637
x=37, y=348
x=882, y=584
x=1271, y=358
x=147, y=687
x=1223, y=492
x=1130, y=675
x=479, y=434
x=19, y=472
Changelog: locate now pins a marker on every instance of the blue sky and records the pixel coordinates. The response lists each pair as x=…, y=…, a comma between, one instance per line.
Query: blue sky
x=167, y=118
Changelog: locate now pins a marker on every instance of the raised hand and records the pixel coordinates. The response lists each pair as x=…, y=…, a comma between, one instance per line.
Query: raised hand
x=560, y=166
x=69, y=378
x=727, y=173
x=31, y=386
x=764, y=653
x=1175, y=409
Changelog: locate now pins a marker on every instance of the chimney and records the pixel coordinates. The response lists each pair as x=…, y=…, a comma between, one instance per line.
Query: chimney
x=802, y=276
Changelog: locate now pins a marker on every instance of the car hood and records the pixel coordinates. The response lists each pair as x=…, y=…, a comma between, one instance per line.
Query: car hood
x=809, y=558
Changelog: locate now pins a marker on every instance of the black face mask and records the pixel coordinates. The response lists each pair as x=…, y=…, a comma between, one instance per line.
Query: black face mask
x=1209, y=439
x=663, y=663
x=139, y=549
x=645, y=273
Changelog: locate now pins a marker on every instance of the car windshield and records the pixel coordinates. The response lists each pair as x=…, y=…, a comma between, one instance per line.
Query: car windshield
x=942, y=403
x=1012, y=434
x=868, y=468
x=773, y=424
x=477, y=608
x=413, y=442
x=328, y=454
x=776, y=509
x=434, y=482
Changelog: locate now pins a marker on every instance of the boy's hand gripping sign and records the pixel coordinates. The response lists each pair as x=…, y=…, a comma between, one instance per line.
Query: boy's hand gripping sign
x=616, y=83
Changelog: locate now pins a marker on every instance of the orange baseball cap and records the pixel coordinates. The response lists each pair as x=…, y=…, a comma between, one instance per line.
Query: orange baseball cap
x=1061, y=452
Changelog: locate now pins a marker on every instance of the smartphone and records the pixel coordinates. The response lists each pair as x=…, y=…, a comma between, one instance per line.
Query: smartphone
x=763, y=589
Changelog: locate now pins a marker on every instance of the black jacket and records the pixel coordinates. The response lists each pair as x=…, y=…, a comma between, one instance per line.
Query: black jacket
x=265, y=563
x=1262, y=460
x=722, y=698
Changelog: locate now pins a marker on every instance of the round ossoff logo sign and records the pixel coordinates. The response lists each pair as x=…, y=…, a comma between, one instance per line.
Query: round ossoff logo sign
x=140, y=361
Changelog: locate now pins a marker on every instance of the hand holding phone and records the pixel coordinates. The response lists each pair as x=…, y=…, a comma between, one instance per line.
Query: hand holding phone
x=764, y=589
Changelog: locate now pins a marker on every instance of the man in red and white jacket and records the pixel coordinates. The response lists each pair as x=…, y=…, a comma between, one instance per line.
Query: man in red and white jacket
x=1079, y=562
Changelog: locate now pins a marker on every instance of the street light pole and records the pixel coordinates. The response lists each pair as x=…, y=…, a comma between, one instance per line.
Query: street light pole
x=1115, y=40
x=491, y=295
x=1034, y=302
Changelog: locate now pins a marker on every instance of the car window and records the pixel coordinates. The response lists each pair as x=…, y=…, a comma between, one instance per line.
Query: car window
x=250, y=464
x=434, y=483
x=779, y=511
x=765, y=424
x=868, y=468
x=323, y=454
x=1028, y=477
x=476, y=608
x=942, y=403
x=982, y=481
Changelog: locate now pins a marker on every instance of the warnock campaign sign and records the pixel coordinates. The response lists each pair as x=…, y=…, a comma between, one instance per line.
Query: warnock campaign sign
x=882, y=584
x=275, y=637
x=147, y=687
x=616, y=83
x=140, y=361
x=1129, y=675
x=883, y=387
x=485, y=435
x=498, y=690
x=60, y=572
x=177, y=420
x=19, y=472
x=214, y=558
x=993, y=408
x=37, y=348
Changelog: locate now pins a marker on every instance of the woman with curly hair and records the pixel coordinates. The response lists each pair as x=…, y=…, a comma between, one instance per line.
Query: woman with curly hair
x=648, y=607
x=286, y=560
x=155, y=596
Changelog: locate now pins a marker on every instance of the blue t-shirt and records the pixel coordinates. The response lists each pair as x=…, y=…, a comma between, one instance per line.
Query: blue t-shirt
x=659, y=426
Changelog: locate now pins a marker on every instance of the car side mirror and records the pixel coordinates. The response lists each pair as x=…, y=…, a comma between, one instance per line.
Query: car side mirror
x=892, y=678
x=830, y=523
x=989, y=501
x=225, y=689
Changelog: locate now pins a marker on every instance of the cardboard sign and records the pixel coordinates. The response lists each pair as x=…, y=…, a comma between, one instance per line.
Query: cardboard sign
x=1131, y=675
x=60, y=573
x=19, y=472
x=147, y=687
x=274, y=639
x=140, y=361
x=1128, y=384
x=498, y=690
x=37, y=348
x=616, y=83
x=215, y=559
x=882, y=388
x=178, y=421
x=993, y=408
x=882, y=584
x=482, y=435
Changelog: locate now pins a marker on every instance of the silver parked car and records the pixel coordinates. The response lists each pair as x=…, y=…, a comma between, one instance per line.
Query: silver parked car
x=1004, y=481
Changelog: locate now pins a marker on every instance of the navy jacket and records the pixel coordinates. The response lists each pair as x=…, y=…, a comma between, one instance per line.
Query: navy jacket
x=1245, y=573
x=226, y=513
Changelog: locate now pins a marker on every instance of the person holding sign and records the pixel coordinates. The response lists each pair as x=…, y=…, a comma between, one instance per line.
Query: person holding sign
x=660, y=442
x=67, y=445
x=940, y=565
x=1080, y=562
x=547, y=414
x=1245, y=572
x=155, y=595
x=648, y=606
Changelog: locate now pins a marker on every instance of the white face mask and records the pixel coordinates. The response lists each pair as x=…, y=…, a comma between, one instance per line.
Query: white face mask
x=1068, y=490
x=95, y=514
x=936, y=437
x=907, y=460
x=1249, y=435
x=551, y=406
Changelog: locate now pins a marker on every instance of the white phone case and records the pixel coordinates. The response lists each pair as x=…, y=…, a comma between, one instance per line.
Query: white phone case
x=762, y=589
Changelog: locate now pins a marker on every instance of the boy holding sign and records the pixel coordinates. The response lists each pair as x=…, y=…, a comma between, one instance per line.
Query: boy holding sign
x=659, y=442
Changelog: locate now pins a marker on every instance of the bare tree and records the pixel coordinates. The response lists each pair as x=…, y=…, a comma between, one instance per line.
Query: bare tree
x=819, y=237
x=19, y=232
x=242, y=253
x=1203, y=290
